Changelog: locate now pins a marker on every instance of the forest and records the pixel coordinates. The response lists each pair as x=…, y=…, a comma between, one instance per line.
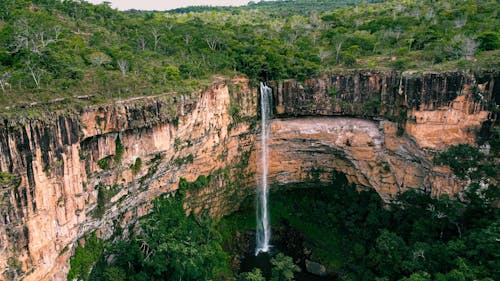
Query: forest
x=354, y=234
x=69, y=53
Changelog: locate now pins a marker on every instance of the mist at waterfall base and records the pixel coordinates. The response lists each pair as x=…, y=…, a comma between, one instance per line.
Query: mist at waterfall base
x=263, y=230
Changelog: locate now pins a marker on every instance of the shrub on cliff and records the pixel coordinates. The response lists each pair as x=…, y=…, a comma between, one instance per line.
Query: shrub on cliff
x=86, y=255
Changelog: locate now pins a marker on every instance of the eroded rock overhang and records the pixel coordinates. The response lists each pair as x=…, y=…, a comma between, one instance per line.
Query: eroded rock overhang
x=53, y=169
x=369, y=152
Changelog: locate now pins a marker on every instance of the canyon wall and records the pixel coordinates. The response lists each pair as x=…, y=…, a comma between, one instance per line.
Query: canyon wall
x=436, y=109
x=99, y=169
x=369, y=152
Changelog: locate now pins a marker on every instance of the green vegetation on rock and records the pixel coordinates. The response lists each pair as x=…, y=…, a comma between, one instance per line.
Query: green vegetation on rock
x=468, y=161
x=170, y=246
x=104, y=195
x=8, y=179
x=118, y=151
x=354, y=234
x=200, y=183
x=103, y=163
x=86, y=255
x=136, y=167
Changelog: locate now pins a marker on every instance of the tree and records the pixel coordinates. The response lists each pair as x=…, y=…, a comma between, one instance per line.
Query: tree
x=123, y=66
x=283, y=268
x=187, y=38
x=323, y=55
x=6, y=9
x=85, y=257
x=469, y=47
x=459, y=22
x=4, y=81
x=141, y=40
x=338, y=48
x=156, y=37
x=171, y=246
x=462, y=46
x=212, y=42
x=419, y=276
x=99, y=58
x=34, y=36
x=35, y=71
x=488, y=40
x=114, y=273
x=462, y=159
x=254, y=275
x=388, y=254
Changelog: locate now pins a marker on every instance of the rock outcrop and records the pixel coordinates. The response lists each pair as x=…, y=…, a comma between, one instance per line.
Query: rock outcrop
x=437, y=109
x=368, y=152
x=315, y=268
x=99, y=169
x=80, y=172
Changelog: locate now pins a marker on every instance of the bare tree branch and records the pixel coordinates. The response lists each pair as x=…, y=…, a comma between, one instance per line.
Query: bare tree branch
x=123, y=66
x=212, y=42
x=34, y=40
x=156, y=37
x=338, y=48
x=4, y=78
x=142, y=42
x=35, y=72
x=187, y=38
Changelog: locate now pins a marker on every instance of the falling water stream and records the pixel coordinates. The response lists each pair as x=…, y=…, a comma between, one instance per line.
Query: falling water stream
x=263, y=234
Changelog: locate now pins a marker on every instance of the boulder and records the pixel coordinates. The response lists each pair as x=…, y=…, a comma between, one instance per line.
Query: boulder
x=316, y=268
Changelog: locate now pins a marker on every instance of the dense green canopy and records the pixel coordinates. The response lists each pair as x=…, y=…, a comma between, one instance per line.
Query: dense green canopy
x=51, y=49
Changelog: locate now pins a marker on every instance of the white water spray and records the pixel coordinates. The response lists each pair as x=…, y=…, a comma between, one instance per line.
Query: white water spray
x=263, y=234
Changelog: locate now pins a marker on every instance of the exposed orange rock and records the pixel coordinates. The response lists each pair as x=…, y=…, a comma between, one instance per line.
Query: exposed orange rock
x=437, y=109
x=186, y=138
x=368, y=152
x=447, y=125
x=58, y=165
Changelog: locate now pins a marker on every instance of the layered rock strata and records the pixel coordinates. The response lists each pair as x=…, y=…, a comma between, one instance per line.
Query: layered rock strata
x=368, y=152
x=437, y=109
x=100, y=169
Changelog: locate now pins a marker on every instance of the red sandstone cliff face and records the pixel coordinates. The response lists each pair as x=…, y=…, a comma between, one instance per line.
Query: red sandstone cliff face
x=436, y=109
x=57, y=168
x=368, y=152
x=78, y=172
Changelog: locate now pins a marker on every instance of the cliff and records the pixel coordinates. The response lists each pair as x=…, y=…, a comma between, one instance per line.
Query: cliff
x=99, y=169
x=80, y=172
x=436, y=109
x=369, y=153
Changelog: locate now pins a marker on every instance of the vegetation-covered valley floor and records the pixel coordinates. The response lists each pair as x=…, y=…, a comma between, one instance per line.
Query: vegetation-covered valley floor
x=354, y=234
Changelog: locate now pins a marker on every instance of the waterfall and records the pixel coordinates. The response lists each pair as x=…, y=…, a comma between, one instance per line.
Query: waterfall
x=263, y=234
